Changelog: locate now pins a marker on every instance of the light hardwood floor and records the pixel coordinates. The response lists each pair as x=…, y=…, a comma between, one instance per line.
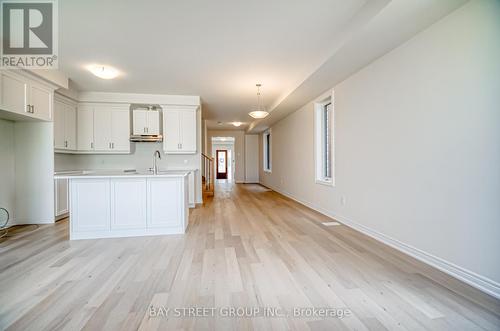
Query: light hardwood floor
x=248, y=247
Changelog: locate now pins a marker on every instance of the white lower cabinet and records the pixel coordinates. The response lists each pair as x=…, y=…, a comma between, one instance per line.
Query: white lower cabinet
x=128, y=203
x=128, y=206
x=61, y=197
x=90, y=205
x=163, y=201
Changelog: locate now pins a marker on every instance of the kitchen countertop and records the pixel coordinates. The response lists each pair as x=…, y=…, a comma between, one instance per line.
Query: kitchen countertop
x=118, y=174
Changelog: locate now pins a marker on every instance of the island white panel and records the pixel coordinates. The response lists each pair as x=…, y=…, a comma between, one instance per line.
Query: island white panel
x=165, y=201
x=90, y=205
x=128, y=203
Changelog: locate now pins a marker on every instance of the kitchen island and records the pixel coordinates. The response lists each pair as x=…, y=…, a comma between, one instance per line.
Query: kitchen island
x=124, y=204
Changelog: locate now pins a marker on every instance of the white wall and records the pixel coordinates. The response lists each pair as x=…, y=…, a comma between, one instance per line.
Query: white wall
x=26, y=171
x=417, y=138
x=251, y=158
x=34, y=161
x=7, y=167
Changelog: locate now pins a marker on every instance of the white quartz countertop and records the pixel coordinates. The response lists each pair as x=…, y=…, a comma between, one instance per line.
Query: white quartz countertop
x=118, y=173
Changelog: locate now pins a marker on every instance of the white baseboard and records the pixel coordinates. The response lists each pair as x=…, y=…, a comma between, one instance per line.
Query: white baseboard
x=14, y=222
x=475, y=280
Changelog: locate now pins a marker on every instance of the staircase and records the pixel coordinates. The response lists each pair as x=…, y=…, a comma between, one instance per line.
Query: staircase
x=207, y=176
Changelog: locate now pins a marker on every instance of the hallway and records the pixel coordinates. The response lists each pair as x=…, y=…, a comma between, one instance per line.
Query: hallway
x=246, y=247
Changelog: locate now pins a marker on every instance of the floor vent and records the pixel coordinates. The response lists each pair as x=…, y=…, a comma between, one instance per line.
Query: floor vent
x=330, y=223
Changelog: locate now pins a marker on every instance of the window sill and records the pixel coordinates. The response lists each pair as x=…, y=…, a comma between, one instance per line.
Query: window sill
x=325, y=182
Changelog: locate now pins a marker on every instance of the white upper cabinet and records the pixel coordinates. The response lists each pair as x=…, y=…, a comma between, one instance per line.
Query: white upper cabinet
x=59, y=122
x=103, y=128
x=41, y=101
x=179, y=129
x=64, y=126
x=24, y=96
x=171, y=131
x=14, y=93
x=120, y=129
x=146, y=122
x=188, y=131
x=85, y=128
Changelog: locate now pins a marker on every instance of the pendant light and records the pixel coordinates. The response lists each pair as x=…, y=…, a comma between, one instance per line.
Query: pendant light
x=259, y=110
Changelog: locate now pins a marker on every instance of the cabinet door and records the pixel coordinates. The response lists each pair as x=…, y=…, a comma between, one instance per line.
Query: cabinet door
x=120, y=130
x=90, y=205
x=61, y=198
x=153, y=122
x=85, y=128
x=188, y=131
x=70, y=126
x=140, y=122
x=164, y=201
x=171, y=131
x=102, y=129
x=59, y=124
x=14, y=93
x=40, y=98
x=128, y=203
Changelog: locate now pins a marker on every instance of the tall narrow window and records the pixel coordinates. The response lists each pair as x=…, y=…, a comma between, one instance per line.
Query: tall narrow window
x=324, y=141
x=267, y=151
x=327, y=148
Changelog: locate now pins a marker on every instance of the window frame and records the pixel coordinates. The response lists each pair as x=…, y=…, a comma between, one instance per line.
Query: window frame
x=320, y=155
x=267, y=150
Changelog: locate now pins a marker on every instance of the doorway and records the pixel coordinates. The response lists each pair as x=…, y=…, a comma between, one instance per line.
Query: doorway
x=221, y=163
x=224, y=144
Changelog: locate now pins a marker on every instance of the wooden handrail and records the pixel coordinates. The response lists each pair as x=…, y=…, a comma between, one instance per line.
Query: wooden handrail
x=206, y=156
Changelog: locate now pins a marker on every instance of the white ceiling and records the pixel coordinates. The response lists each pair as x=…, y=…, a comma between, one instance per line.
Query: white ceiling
x=219, y=49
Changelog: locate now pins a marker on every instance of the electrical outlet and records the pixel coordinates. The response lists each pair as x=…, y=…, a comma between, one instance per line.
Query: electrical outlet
x=343, y=200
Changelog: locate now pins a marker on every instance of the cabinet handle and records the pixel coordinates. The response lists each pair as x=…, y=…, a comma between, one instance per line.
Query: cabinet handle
x=113, y=145
x=144, y=130
x=91, y=145
x=32, y=109
x=65, y=143
x=147, y=130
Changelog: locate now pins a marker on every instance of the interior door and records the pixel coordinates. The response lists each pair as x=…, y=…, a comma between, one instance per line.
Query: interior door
x=221, y=164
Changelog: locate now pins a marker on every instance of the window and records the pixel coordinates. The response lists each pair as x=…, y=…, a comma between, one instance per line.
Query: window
x=267, y=151
x=324, y=141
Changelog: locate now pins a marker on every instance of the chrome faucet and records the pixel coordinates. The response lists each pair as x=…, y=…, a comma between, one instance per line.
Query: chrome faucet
x=155, y=166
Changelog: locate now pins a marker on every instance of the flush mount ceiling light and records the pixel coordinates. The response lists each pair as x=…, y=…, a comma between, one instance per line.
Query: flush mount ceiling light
x=237, y=124
x=259, y=111
x=102, y=71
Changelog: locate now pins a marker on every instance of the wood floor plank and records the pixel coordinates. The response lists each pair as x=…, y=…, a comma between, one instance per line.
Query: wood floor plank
x=247, y=247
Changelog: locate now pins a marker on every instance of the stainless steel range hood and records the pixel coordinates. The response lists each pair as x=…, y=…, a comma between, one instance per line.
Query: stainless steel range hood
x=147, y=138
